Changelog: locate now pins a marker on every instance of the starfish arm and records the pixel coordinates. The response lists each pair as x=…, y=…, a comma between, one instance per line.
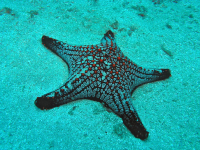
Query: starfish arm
x=67, y=52
x=54, y=98
x=108, y=40
x=123, y=107
x=132, y=121
x=77, y=87
x=142, y=76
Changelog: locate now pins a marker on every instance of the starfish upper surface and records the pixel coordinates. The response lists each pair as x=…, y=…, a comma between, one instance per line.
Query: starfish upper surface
x=102, y=73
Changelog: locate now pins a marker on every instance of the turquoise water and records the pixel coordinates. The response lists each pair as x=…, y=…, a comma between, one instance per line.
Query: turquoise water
x=159, y=34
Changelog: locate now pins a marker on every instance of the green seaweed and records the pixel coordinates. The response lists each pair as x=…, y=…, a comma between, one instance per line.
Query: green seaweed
x=169, y=53
x=71, y=111
x=118, y=130
x=122, y=29
x=133, y=28
x=115, y=25
x=140, y=9
x=168, y=26
x=33, y=13
x=191, y=16
x=6, y=10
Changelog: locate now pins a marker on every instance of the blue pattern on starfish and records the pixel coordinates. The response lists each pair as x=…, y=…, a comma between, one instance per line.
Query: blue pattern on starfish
x=101, y=73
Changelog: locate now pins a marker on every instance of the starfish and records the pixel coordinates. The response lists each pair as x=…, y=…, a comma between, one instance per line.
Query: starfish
x=102, y=73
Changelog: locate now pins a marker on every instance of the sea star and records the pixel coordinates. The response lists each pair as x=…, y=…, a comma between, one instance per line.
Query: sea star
x=104, y=74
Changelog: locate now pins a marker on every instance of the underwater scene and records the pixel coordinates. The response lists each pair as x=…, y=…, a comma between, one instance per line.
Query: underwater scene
x=100, y=74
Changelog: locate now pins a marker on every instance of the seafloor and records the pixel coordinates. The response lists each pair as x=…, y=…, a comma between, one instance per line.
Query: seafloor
x=152, y=33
